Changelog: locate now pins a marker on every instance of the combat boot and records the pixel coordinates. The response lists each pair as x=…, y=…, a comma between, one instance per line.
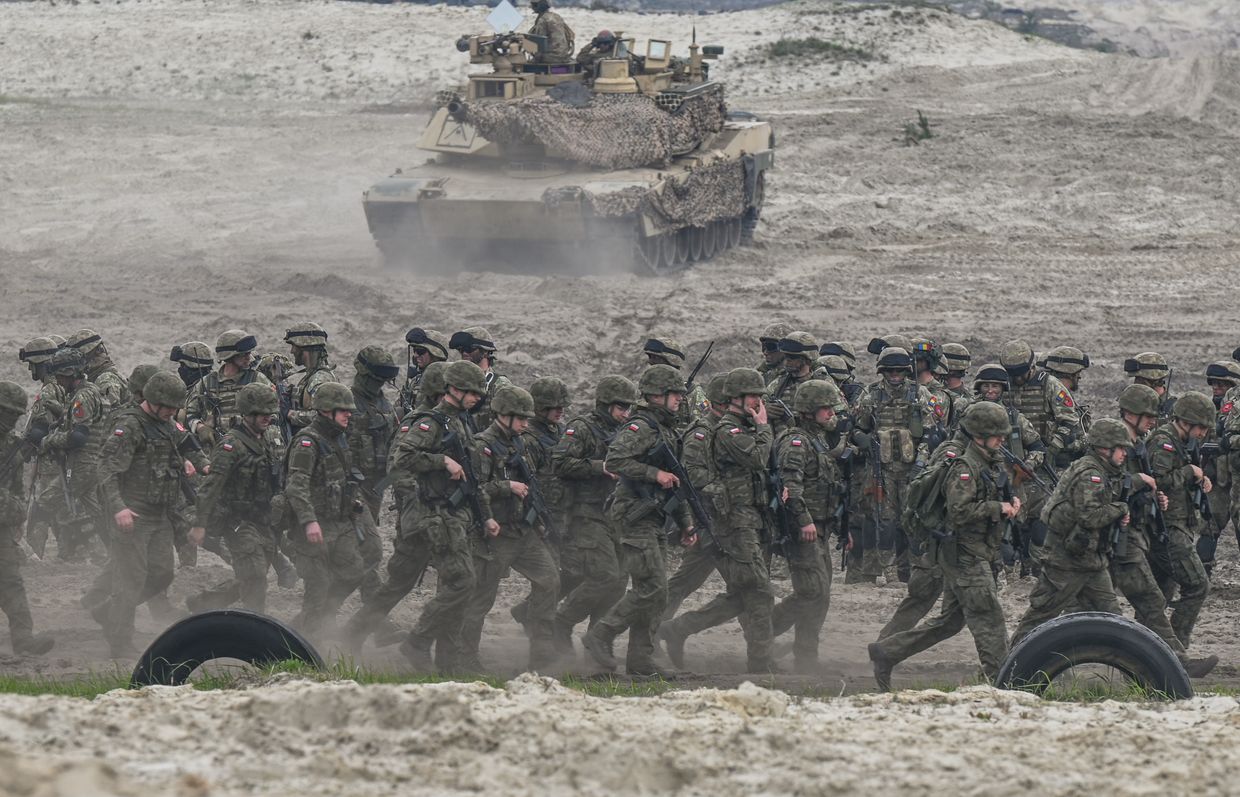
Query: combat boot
x=674, y=641
x=520, y=613
x=562, y=638
x=418, y=651
x=598, y=645
x=882, y=666
x=35, y=645
x=286, y=573
x=1199, y=668
x=650, y=670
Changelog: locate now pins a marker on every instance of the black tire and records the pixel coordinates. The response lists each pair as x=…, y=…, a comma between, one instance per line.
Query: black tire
x=223, y=634
x=1094, y=638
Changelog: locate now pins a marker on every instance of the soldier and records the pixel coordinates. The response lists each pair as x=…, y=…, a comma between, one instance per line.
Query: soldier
x=47, y=500
x=602, y=46
x=517, y=543
x=1130, y=566
x=308, y=346
x=476, y=345
x=194, y=361
x=1223, y=379
x=237, y=495
x=1150, y=368
x=800, y=352
x=74, y=448
x=698, y=561
x=212, y=407
x=1186, y=487
x=926, y=359
x=975, y=513
x=1082, y=517
x=892, y=418
x=664, y=351
x=842, y=350
x=99, y=367
x=638, y=512
x=411, y=553
x=741, y=450
x=772, y=365
x=432, y=451
x=953, y=367
x=322, y=496
x=426, y=346
x=592, y=580
x=559, y=36
x=370, y=434
x=140, y=470
x=807, y=468
x=12, y=515
x=1068, y=364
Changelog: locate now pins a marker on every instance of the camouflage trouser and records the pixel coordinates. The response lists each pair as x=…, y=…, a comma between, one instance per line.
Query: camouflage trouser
x=331, y=571
x=743, y=566
x=641, y=608
x=889, y=538
x=411, y=555
x=370, y=546
x=1060, y=590
x=493, y=558
x=253, y=550
x=925, y=586
x=13, y=591
x=696, y=565
x=140, y=566
x=805, y=610
x=1177, y=563
x=590, y=575
x=969, y=598
x=447, y=538
x=1132, y=576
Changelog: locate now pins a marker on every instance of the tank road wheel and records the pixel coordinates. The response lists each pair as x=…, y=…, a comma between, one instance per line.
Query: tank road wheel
x=734, y=226
x=667, y=252
x=696, y=241
x=710, y=240
x=647, y=250
x=749, y=222
x=682, y=245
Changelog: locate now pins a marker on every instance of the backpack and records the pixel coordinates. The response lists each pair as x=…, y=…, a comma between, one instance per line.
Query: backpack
x=925, y=510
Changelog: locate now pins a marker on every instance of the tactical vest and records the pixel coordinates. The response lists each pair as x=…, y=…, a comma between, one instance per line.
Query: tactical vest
x=1030, y=398
x=154, y=474
x=743, y=486
x=255, y=479
x=897, y=422
x=586, y=496
x=374, y=423
x=333, y=487
x=435, y=487
x=818, y=477
x=220, y=398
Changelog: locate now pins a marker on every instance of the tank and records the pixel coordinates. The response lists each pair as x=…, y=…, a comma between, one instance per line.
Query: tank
x=613, y=161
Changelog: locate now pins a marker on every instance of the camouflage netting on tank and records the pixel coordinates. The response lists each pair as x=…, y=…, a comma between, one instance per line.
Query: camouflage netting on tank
x=706, y=194
x=614, y=131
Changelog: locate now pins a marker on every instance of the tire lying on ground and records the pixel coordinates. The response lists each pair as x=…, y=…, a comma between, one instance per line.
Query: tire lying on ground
x=224, y=634
x=1094, y=638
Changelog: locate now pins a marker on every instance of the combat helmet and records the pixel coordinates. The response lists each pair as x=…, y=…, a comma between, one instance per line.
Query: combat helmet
x=658, y=380
x=1065, y=360
x=956, y=359
x=67, y=361
x=1148, y=365
x=1108, y=433
x=164, y=389
x=836, y=367
x=1227, y=371
x=816, y=393
x=743, y=382
x=13, y=398
x=548, y=392
x=434, y=342
x=799, y=344
x=85, y=341
x=894, y=358
x=332, y=396
x=472, y=338
x=434, y=379
x=1140, y=400
x=377, y=362
x=985, y=419
x=715, y=392
x=37, y=350
x=840, y=349
x=927, y=351
x=668, y=349
x=513, y=400
x=464, y=375
x=896, y=341
x=1016, y=356
x=234, y=343
x=1195, y=408
x=194, y=355
x=139, y=377
x=774, y=333
x=275, y=366
x=306, y=335
x=615, y=389
x=257, y=399
x=991, y=372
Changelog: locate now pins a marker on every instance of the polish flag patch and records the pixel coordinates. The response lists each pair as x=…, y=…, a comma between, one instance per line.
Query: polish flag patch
x=951, y=454
x=634, y=427
x=178, y=425
x=404, y=429
x=486, y=451
x=1096, y=479
x=734, y=430
x=306, y=444
x=424, y=427
x=227, y=446
x=964, y=477
x=1168, y=447
x=1227, y=407
x=796, y=443
x=119, y=432
x=699, y=436
x=568, y=432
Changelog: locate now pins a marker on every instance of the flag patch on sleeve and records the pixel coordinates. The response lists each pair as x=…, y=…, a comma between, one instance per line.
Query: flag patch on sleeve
x=426, y=427
x=306, y=444
x=568, y=432
x=734, y=430
x=699, y=436
x=1168, y=447
x=1096, y=479
x=227, y=447
x=634, y=427
x=119, y=432
x=796, y=442
x=79, y=411
x=1063, y=398
x=964, y=477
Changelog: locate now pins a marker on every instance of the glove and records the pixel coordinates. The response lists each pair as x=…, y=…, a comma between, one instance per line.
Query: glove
x=36, y=430
x=862, y=439
x=78, y=436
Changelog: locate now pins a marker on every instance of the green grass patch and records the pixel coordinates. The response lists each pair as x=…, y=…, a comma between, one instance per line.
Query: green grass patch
x=817, y=48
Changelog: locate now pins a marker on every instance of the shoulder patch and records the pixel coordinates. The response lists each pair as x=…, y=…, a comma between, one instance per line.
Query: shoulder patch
x=1227, y=407
x=568, y=432
x=964, y=477
x=227, y=446
x=306, y=444
x=734, y=430
x=486, y=450
x=119, y=432
x=1168, y=447
x=1096, y=479
x=634, y=427
x=79, y=411
x=424, y=426
x=699, y=436
x=404, y=429
x=796, y=441
x=1063, y=398
x=178, y=425
x=950, y=455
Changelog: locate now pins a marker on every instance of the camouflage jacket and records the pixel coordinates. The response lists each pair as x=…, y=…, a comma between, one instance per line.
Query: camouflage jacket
x=742, y=452
x=1049, y=406
x=303, y=413
x=809, y=472
x=638, y=496
x=896, y=417
x=578, y=463
x=245, y=476
x=418, y=457
x=1169, y=458
x=371, y=431
x=974, y=504
x=481, y=416
x=81, y=432
x=560, y=39
x=140, y=467
x=1081, y=513
x=12, y=486
x=497, y=450
x=112, y=386
x=213, y=402
x=540, y=440
x=318, y=468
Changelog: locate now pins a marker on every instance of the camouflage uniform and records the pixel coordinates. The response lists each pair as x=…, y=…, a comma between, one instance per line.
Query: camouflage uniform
x=559, y=37
x=429, y=345
x=1080, y=516
x=237, y=496
x=700, y=560
x=74, y=447
x=212, y=406
x=47, y=499
x=637, y=512
x=318, y=489
x=974, y=522
x=371, y=430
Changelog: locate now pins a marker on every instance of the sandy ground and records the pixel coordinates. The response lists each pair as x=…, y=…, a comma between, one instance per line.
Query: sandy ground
x=173, y=169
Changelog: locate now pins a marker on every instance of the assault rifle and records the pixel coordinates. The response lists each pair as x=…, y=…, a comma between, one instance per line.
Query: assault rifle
x=786, y=536
x=284, y=396
x=701, y=361
x=842, y=517
x=1007, y=546
x=1155, y=511
x=535, y=504
x=663, y=454
x=1207, y=543
x=1119, y=532
x=455, y=444
x=1028, y=472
